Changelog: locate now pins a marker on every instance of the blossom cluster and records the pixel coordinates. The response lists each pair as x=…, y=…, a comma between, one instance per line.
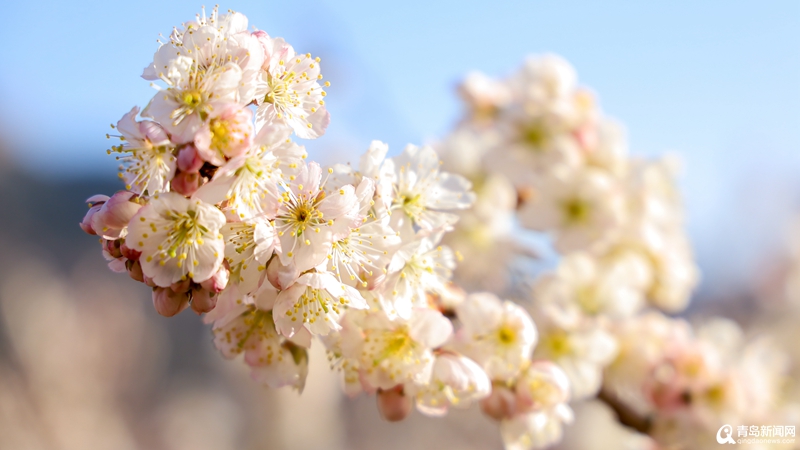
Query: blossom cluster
x=223, y=213
x=401, y=266
x=550, y=168
x=694, y=378
x=554, y=182
x=540, y=150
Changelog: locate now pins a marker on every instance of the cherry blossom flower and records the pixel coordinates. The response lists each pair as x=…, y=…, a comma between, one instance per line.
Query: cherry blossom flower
x=288, y=90
x=192, y=96
x=417, y=268
x=535, y=141
x=392, y=352
x=582, y=349
x=314, y=302
x=228, y=133
x=455, y=381
x=248, y=247
x=361, y=257
x=370, y=167
x=544, y=125
x=274, y=361
x=583, y=286
x=542, y=395
x=423, y=196
x=149, y=162
x=248, y=183
x=179, y=239
x=580, y=207
x=498, y=335
x=212, y=41
x=485, y=97
x=310, y=217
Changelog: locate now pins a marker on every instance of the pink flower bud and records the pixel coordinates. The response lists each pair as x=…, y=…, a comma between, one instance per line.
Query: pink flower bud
x=130, y=253
x=181, y=287
x=169, y=303
x=393, y=404
x=273, y=270
x=218, y=281
x=149, y=281
x=281, y=276
x=97, y=199
x=203, y=301
x=135, y=270
x=154, y=132
x=95, y=203
x=500, y=404
x=189, y=160
x=113, y=217
x=112, y=247
x=186, y=183
x=86, y=223
x=264, y=40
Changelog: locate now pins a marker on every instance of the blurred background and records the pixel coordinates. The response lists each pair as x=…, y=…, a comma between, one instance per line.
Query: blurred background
x=86, y=363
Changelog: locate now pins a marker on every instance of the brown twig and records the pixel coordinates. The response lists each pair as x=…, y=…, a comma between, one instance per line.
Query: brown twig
x=627, y=416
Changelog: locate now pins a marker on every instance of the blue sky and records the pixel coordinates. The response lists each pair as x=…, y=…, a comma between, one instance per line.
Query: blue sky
x=717, y=82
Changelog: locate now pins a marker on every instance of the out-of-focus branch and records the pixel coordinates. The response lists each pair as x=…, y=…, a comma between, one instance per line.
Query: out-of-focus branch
x=627, y=416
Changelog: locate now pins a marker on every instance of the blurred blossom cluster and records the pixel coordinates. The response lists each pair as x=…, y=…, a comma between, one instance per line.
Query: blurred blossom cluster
x=419, y=274
x=545, y=160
